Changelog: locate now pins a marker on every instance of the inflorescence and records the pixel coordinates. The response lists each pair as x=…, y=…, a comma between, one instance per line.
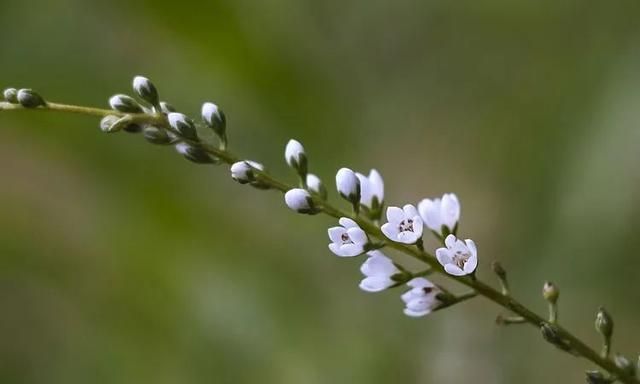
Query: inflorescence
x=361, y=231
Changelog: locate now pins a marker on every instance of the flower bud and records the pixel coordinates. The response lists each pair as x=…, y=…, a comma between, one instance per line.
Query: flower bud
x=11, y=95
x=242, y=171
x=156, y=135
x=108, y=124
x=550, y=292
x=183, y=125
x=300, y=201
x=315, y=185
x=348, y=185
x=625, y=365
x=124, y=103
x=604, y=323
x=166, y=107
x=214, y=118
x=498, y=269
x=596, y=377
x=194, y=154
x=550, y=334
x=29, y=98
x=145, y=89
x=296, y=157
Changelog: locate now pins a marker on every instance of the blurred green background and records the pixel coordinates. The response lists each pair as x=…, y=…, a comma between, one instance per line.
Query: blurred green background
x=122, y=263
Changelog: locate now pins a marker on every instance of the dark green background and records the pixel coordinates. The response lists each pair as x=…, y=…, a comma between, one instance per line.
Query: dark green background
x=122, y=263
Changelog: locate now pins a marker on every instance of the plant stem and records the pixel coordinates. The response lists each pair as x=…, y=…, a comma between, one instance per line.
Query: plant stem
x=479, y=287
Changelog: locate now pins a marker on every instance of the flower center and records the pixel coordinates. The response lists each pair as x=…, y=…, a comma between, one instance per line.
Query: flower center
x=406, y=225
x=460, y=258
x=345, y=239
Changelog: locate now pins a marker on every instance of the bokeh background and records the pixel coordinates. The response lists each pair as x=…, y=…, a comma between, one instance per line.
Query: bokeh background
x=122, y=263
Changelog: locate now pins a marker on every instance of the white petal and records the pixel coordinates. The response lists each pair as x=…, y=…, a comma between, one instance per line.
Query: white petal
x=335, y=248
x=376, y=184
x=376, y=283
x=376, y=252
x=395, y=215
x=293, y=151
x=450, y=210
x=347, y=183
x=453, y=269
x=379, y=266
x=471, y=265
x=390, y=230
x=358, y=236
x=407, y=237
x=348, y=223
x=411, y=313
x=472, y=247
x=365, y=190
x=450, y=241
x=335, y=234
x=410, y=211
x=444, y=256
x=297, y=199
x=350, y=250
x=314, y=183
x=420, y=282
x=417, y=226
x=430, y=212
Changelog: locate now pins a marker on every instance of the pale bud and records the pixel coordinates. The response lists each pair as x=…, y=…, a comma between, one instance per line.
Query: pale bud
x=11, y=95
x=242, y=171
x=550, y=292
x=183, y=125
x=296, y=157
x=348, y=185
x=214, y=118
x=300, y=201
x=108, y=124
x=194, y=154
x=604, y=323
x=156, y=135
x=29, y=98
x=166, y=107
x=625, y=365
x=145, y=89
x=596, y=377
x=124, y=103
x=315, y=185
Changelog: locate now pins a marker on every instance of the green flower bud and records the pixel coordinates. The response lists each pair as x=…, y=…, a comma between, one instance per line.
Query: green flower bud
x=145, y=89
x=124, y=103
x=596, y=377
x=604, y=323
x=195, y=154
x=11, y=95
x=183, y=125
x=156, y=135
x=29, y=98
x=550, y=292
x=214, y=118
x=108, y=122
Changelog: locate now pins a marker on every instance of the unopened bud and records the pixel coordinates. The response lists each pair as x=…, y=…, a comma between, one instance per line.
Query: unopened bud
x=550, y=334
x=29, y=98
x=498, y=270
x=166, y=107
x=550, y=292
x=315, y=185
x=156, y=135
x=214, y=118
x=596, y=377
x=348, y=185
x=11, y=95
x=108, y=122
x=300, y=201
x=604, y=323
x=124, y=103
x=296, y=157
x=625, y=365
x=145, y=89
x=242, y=171
x=183, y=125
x=195, y=154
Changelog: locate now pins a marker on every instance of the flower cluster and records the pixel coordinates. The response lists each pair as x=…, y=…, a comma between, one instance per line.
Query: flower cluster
x=404, y=225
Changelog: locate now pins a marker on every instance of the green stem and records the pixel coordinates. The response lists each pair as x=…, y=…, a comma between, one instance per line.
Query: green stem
x=478, y=287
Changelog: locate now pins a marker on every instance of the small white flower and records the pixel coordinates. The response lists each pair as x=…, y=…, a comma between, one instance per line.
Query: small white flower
x=214, y=118
x=371, y=189
x=296, y=157
x=348, y=185
x=300, y=201
x=404, y=225
x=348, y=240
x=437, y=213
x=314, y=184
x=378, y=270
x=421, y=299
x=242, y=171
x=458, y=258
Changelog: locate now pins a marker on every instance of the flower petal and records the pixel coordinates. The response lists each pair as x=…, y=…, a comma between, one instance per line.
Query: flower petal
x=390, y=230
x=417, y=226
x=350, y=250
x=471, y=265
x=335, y=234
x=450, y=241
x=358, y=236
x=376, y=283
x=472, y=247
x=450, y=210
x=395, y=215
x=420, y=282
x=376, y=184
x=410, y=211
x=453, y=269
x=444, y=256
x=407, y=237
x=348, y=223
x=430, y=213
x=380, y=266
x=411, y=313
x=335, y=248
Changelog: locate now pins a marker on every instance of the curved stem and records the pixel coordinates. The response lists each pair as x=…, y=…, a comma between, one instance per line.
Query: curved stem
x=479, y=288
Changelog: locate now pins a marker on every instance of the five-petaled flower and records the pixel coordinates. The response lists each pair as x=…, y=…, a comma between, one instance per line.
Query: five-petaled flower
x=378, y=270
x=441, y=215
x=348, y=240
x=404, y=224
x=458, y=258
x=421, y=299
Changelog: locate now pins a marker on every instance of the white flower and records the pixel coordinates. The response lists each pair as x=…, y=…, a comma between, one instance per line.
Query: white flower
x=296, y=157
x=404, y=225
x=347, y=240
x=242, y=171
x=348, y=185
x=300, y=201
x=378, y=270
x=421, y=299
x=371, y=189
x=437, y=213
x=214, y=118
x=458, y=258
x=314, y=184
